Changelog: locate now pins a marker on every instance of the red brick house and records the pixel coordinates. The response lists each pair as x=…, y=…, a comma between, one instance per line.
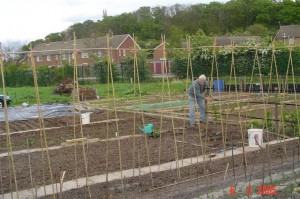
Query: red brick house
x=57, y=53
x=289, y=35
x=159, y=60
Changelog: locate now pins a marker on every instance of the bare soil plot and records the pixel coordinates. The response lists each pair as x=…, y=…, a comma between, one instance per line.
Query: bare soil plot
x=120, y=145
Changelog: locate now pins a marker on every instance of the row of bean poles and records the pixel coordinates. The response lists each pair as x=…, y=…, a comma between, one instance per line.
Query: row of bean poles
x=203, y=131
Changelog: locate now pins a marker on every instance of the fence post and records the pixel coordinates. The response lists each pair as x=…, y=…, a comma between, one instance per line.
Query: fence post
x=240, y=84
x=276, y=112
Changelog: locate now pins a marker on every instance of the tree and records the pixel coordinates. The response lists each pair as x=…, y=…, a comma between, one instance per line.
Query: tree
x=84, y=30
x=128, y=71
x=103, y=72
x=258, y=30
x=215, y=17
x=176, y=36
x=289, y=12
x=200, y=39
x=189, y=18
x=34, y=43
x=54, y=37
x=149, y=27
x=11, y=51
x=201, y=57
x=264, y=19
x=264, y=12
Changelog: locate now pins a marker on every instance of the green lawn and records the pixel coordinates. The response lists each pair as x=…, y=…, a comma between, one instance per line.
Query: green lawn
x=28, y=94
x=121, y=89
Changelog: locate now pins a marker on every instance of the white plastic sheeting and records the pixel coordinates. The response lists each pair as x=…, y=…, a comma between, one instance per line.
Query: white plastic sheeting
x=31, y=112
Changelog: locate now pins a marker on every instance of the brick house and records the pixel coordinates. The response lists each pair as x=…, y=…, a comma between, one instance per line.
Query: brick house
x=289, y=35
x=57, y=53
x=158, y=61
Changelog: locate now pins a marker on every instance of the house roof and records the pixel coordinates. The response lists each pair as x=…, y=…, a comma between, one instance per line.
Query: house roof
x=161, y=45
x=234, y=40
x=98, y=42
x=225, y=40
x=288, y=31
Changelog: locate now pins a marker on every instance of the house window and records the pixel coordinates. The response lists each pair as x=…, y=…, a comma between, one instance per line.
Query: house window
x=84, y=55
x=39, y=58
x=56, y=57
x=48, y=57
x=64, y=57
x=124, y=53
x=291, y=41
x=99, y=53
x=120, y=53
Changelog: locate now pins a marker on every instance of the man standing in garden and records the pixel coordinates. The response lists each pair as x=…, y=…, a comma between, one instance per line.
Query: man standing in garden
x=196, y=93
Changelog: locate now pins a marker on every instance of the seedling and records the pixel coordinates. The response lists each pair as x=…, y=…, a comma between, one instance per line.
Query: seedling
x=30, y=142
x=155, y=133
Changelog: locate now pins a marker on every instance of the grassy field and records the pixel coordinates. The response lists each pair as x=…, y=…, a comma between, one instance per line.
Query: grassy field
x=28, y=94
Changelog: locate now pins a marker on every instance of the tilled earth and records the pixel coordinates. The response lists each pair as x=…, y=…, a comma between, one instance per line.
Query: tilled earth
x=121, y=146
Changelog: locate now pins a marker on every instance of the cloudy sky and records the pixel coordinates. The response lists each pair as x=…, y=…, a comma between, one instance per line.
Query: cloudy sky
x=27, y=20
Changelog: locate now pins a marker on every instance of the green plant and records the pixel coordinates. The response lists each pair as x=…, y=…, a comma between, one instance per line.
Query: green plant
x=215, y=112
x=289, y=189
x=31, y=142
x=70, y=137
x=257, y=124
x=135, y=91
x=155, y=133
x=295, y=119
x=266, y=123
x=56, y=138
x=292, y=122
x=268, y=120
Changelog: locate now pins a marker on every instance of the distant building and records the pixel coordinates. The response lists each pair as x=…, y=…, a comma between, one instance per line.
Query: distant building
x=160, y=65
x=289, y=35
x=57, y=53
x=235, y=40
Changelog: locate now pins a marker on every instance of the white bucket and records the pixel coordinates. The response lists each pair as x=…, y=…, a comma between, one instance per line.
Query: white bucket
x=255, y=137
x=85, y=118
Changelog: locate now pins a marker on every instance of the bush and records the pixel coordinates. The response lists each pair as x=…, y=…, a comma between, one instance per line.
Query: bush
x=292, y=122
x=244, y=61
x=103, y=73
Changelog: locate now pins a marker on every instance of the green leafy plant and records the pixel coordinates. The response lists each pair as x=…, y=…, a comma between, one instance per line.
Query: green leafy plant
x=291, y=121
x=265, y=123
x=155, y=133
x=257, y=124
x=131, y=92
x=31, y=142
x=214, y=110
x=268, y=120
x=103, y=72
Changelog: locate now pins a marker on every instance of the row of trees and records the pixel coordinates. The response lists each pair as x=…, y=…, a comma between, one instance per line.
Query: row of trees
x=240, y=62
x=235, y=17
x=248, y=61
x=22, y=76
